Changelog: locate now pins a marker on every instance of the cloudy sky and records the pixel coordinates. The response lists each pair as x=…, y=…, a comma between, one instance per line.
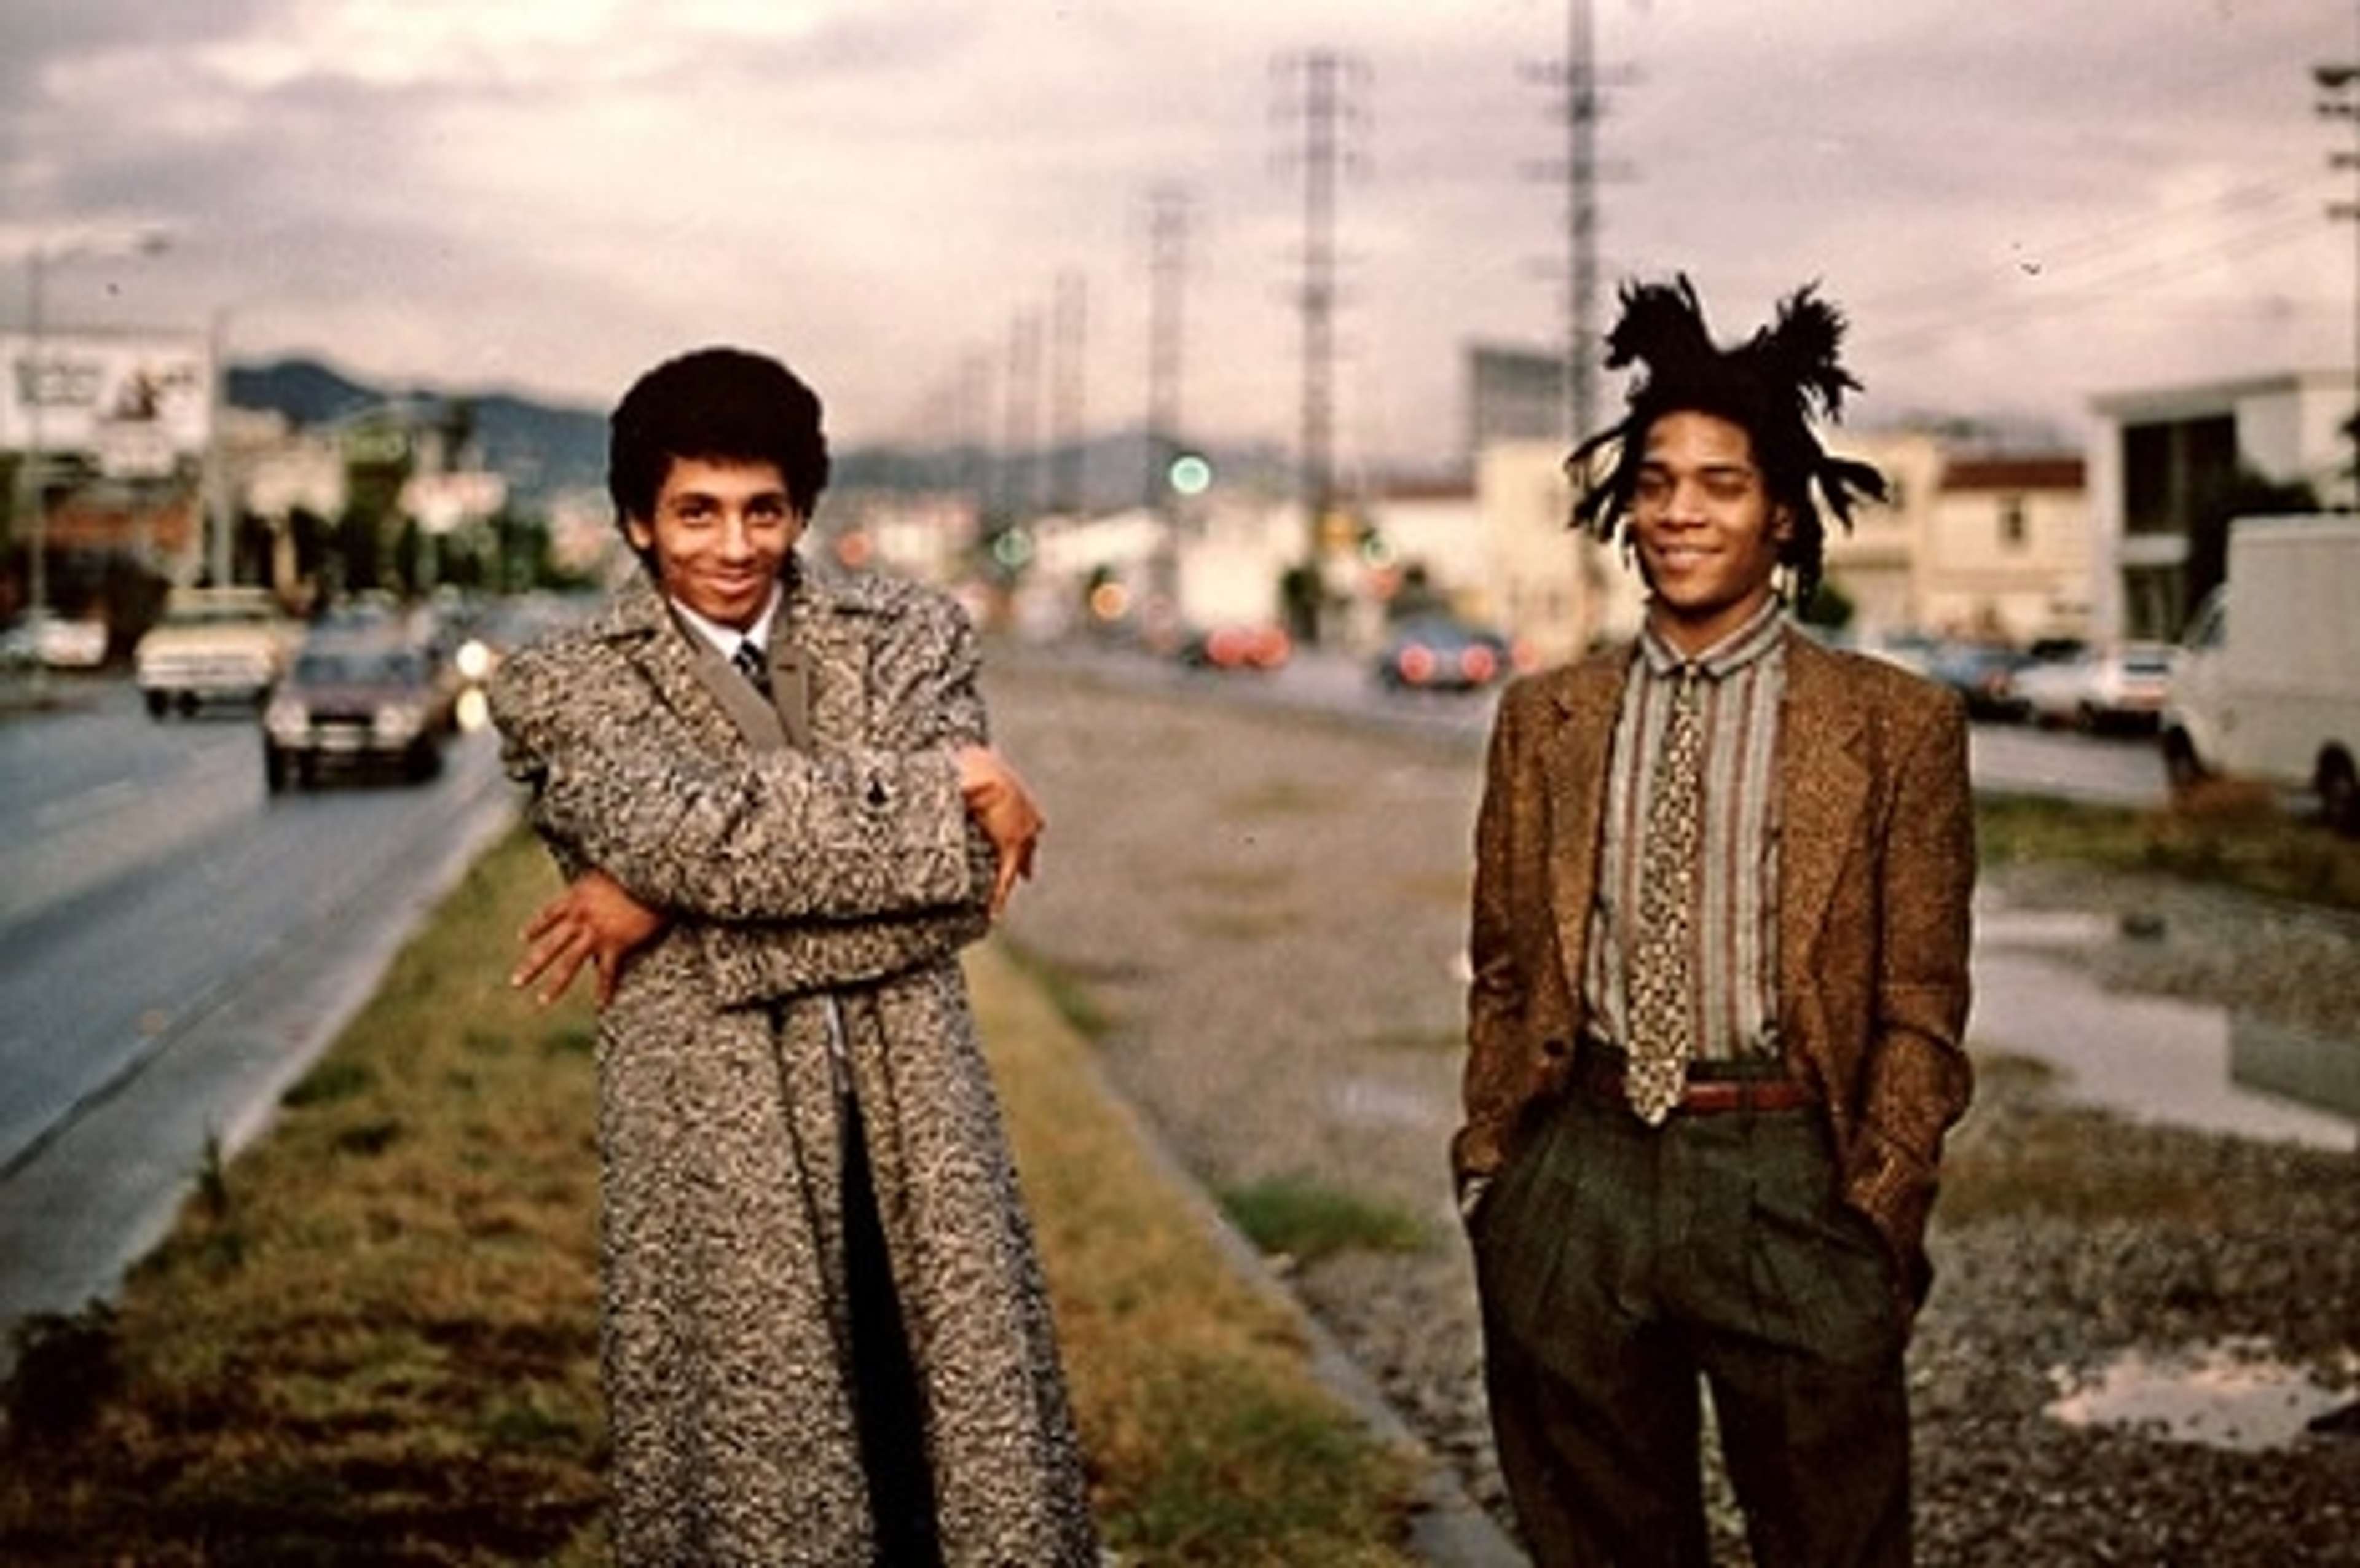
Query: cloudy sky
x=2019, y=201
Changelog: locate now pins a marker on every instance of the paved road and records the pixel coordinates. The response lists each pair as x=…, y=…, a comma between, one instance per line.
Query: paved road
x=176, y=947
x=2006, y=759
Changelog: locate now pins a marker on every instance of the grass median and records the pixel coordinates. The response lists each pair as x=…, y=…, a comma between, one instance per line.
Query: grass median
x=373, y=1338
x=2223, y=833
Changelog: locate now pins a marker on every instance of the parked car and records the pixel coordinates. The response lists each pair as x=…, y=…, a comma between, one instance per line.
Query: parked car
x=358, y=701
x=1239, y=647
x=2100, y=688
x=1435, y=653
x=213, y=645
x=54, y=641
x=1983, y=673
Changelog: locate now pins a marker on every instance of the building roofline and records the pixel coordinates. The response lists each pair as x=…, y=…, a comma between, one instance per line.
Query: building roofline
x=2146, y=399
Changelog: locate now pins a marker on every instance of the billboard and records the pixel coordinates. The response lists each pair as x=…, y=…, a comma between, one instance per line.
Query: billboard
x=135, y=403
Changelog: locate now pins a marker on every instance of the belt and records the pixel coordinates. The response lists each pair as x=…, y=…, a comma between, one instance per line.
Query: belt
x=1600, y=1071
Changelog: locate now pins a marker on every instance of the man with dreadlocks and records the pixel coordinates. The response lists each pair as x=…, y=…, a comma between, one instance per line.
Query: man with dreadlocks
x=1719, y=947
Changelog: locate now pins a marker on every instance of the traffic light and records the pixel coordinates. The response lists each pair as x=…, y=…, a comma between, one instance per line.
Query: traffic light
x=1189, y=473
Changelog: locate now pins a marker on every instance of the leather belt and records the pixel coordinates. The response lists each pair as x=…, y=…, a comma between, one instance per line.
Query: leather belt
x=1600, y=1074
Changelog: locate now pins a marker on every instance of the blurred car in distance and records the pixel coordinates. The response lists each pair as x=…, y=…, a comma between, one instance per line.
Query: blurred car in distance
x=1984, y=674
x=359, y=702
x=213, y=645
x=1913, y=651
x=2121, y=688
x=1436, y=653
x=54, y=641
x=1262, y=647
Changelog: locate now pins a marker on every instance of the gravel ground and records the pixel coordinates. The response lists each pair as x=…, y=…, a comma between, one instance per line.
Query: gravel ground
x=1272, y=906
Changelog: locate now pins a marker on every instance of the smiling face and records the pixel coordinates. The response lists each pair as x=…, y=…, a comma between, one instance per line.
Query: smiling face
x=1706, y=532
x=720, y=534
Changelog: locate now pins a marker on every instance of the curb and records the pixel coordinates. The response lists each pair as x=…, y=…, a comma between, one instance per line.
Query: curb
x=1446, y=1528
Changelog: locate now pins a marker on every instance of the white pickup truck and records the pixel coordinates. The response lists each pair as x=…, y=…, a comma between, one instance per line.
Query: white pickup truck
x=213, y=645
x=2268, y=681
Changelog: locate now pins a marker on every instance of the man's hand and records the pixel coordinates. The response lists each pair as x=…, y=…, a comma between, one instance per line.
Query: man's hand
x=594, y=921
x=996, y=798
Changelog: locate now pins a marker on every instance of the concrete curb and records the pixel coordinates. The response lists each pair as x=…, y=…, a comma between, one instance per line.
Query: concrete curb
x=1448, y=1529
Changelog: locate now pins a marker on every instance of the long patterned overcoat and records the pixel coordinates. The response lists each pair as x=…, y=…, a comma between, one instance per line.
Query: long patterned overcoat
x=831, y=873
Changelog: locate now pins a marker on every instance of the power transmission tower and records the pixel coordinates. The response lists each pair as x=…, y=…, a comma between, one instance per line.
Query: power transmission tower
x=1021, y=441
x=2339, y=84
x=1167, y=268
x=1326, y=82
x=1580, y=172
x=1070, y=335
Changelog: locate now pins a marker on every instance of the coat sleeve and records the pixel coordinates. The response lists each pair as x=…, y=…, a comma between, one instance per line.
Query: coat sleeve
x=1498, y=994
x=925, y=694
x=616, y=779
x=1918, y=1078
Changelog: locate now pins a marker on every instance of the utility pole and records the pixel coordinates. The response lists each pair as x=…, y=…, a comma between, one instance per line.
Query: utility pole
x=1325, y=80
x=2339, y=82
x=1167, y=270
x=1069, y=337
x=31, y=487
x=1579, y=171
x=1021, y=438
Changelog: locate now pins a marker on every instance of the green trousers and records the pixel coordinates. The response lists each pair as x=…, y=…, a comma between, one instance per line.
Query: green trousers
x=1618, y=1264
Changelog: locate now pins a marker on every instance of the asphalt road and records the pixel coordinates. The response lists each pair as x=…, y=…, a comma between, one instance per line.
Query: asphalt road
x=176, y=946
x=2004, y=758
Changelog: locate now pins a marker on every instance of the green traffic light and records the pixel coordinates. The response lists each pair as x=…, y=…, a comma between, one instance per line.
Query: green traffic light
x=1190, y=474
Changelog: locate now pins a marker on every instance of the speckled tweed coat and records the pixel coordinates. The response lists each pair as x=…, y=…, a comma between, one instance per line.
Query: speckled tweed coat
x=851, y=868
x=1875, y=874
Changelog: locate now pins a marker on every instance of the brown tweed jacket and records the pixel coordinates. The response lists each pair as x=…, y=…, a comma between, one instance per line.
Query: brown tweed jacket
x=1876, y=870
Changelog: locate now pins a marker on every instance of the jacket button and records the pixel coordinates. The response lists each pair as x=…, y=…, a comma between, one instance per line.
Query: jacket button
x=1553, y=1047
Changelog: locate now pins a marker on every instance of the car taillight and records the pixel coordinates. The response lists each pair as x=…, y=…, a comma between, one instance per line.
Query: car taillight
x=1417, y=664
x=1478, y=663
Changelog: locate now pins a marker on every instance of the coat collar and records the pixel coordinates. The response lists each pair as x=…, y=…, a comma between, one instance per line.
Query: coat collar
x=694, y=680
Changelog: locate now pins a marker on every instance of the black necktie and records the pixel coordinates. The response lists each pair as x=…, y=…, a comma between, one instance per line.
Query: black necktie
x=754, y=665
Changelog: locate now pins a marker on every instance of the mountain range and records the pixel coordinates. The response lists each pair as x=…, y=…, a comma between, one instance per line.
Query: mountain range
x=544, y=449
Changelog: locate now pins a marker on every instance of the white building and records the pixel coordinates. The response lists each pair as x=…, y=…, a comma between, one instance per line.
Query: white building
x=1559, y=590
x=2162, y=462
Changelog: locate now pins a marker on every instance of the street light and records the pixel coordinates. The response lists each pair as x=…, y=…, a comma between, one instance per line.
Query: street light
x=32, y=492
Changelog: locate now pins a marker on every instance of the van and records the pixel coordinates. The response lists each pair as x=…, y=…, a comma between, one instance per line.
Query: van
x=2267, y=682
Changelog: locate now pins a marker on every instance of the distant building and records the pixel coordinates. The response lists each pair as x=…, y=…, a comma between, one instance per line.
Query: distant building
x=2008, y=552
x=1879, y=564
x=1513, y=395
x=1433, y=530
x=1561, y=591
x=2163, y=464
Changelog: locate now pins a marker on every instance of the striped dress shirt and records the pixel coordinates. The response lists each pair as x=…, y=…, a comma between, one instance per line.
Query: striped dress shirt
x=1736, y=919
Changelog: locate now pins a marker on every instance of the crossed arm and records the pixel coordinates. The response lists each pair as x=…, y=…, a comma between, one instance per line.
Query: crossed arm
x=799, y=869
x=596, y=921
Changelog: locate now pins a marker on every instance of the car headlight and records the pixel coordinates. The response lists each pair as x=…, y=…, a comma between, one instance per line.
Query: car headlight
x=399, y=721
x=286, y=716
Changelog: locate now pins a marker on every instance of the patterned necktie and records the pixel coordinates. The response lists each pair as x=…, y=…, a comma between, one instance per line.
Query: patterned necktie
x=1661, y=974
x=754, y=665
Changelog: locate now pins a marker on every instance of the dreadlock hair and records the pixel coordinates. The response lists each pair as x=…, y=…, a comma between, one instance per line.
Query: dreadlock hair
x=1766, y=385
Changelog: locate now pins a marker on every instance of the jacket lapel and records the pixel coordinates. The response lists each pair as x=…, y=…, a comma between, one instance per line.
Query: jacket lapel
x=1823, y=785
x=692, y=678
x=1574, y=768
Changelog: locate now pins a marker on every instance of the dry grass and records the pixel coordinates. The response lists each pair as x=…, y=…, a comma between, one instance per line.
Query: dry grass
x=1209, y=1440
x=2229, y=835
x=373, y=1338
